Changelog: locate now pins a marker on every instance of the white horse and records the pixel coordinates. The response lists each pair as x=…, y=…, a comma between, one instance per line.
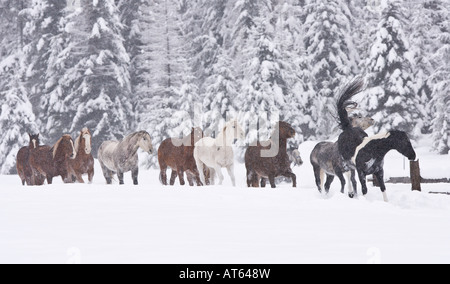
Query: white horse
x=216, y=154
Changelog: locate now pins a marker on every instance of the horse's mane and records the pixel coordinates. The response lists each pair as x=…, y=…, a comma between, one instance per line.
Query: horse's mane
x=344, y=101
x=56, y=146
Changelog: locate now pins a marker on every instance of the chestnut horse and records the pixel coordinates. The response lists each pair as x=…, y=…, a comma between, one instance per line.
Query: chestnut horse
x=23, y=161
x=265, y=162
x=84, y=162
x=178, y=154
x=49, y=162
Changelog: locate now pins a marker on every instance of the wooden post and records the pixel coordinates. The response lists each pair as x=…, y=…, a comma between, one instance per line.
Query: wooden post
x=416, y=179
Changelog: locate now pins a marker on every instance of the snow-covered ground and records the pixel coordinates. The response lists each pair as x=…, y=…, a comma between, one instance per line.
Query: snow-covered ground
x=153, y=224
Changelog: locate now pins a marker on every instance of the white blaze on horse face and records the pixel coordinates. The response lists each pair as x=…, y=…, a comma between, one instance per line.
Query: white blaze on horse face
x=74, y=153
x=366, y=141
x=87, y=141
x=34, y=143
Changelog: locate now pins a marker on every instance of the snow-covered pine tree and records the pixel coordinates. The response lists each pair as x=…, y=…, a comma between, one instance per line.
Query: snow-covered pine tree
x=425, y=30
x=16, y=115
x=208, y=38
x=46, y=66
x=331, y=55
x=289, y=36
x=213, y=67
x=440, y=78
x=100, y=82
x=170, y=76
x=137, y=16
x=263, y=92
x=219, y=95
x=11, y=25
x=391, y=99
x=43, y=25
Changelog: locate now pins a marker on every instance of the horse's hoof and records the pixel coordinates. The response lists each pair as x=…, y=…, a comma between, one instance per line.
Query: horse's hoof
x=351, y=195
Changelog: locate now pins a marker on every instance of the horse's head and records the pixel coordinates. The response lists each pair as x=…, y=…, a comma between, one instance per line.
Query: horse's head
x=295, y=157
x=64, y=148
x=145, y=142
x=84, y=141
x=361, y=122
x=403, y=144
x=34, y=141
x=234, y=131
x=285, y=130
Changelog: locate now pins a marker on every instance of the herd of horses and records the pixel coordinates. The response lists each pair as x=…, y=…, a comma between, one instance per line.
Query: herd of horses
x=203, y=158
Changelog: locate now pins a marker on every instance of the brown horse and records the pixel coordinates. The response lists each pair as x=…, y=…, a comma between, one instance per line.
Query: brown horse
x=23, y=161
x=178, y=154
x=84, y=161
x=49, y=162
x=269, y=162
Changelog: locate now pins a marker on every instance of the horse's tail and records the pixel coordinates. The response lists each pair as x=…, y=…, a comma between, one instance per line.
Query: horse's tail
x=352, y=89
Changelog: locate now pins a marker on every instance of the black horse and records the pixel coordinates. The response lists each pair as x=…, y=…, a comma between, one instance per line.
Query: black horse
x=351, y=137
x=370, y=158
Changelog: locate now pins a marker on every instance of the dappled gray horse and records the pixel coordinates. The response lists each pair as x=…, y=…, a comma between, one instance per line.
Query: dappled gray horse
x=121, y=156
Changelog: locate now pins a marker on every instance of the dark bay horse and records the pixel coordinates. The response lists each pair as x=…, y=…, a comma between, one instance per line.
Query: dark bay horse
x=262, y=165
x=84, y=161
x=23, y=161
x=371, y=154
x=326, y=159
x=48, y=162
x=122, y=156
x=178, y=154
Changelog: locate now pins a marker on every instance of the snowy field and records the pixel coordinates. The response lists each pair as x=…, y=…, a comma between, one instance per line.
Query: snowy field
x=153, y=224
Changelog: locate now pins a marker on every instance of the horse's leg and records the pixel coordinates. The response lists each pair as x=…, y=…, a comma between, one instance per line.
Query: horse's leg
x=380, y=177
x=107, y=173
x=79, y=178
x=195, y=176
x=212, y=176
x=330, y=179
x=318, y=173
x=91, y=175
x=231, y=173
x=218, y=170
x=341, y=177
x=293, y=177
x=255, y=179
x=190, y=178
x=163, y=176
x=120, y=176
x=181, y=176
x=135, y=174
x=354, y=190
x=251, y=177
x=49, y=179
x=201, y=170
x=263, y=182
x=173, y=177
x=272, y=181
x=362, y=180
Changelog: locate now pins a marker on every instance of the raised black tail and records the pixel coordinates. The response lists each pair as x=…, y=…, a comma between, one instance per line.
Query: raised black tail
x=352, y=89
